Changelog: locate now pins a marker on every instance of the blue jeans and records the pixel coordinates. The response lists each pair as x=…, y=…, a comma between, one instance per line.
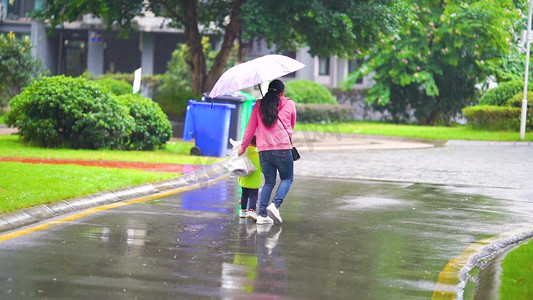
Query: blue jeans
x=272, y=162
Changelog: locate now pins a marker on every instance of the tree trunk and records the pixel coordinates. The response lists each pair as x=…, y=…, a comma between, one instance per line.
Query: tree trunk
x=194, y=41
x=221, y=60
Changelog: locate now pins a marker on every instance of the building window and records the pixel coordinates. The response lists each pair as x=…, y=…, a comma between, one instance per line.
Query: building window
x=3, y=11
x=17, y=9
x=353, y=65
x=323, y=65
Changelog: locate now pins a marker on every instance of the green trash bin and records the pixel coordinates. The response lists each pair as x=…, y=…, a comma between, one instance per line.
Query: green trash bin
x=247, y=107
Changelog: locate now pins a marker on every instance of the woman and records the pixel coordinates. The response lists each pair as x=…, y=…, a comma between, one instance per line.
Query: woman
x=272, y=121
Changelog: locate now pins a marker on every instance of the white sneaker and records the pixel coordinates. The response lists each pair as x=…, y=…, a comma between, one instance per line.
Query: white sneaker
x=242, y=214
x=273, y=212
x=264, y=220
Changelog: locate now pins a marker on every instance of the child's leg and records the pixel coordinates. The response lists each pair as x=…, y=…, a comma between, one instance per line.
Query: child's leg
x=244, y=198
x=254, y=193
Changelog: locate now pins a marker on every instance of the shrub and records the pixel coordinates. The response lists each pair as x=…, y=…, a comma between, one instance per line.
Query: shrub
x=492, y=117
x=174, y=103
x=115, y=86
x=149, y=82
x=151, y=127
x=316, y=113
x=516, y=100
x=504, y=91
x=174, y=92
x=69, y=112
x=17, y=66
x=308, y=92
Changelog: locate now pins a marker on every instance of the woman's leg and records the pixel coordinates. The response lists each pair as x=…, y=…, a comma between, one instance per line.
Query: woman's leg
x=285, y=166
x=269, y=171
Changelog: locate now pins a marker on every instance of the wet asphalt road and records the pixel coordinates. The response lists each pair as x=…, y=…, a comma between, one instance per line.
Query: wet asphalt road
x=357, y=225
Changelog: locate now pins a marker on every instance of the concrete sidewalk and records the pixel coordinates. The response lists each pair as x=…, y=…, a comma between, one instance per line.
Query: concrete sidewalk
x=7, y=130
x=323, y=141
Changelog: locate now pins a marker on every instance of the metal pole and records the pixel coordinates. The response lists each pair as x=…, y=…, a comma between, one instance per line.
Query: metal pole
x=260, y=90
x=524, y=100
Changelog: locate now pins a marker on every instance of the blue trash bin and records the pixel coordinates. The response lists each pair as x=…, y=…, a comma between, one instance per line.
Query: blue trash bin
x=209, y=124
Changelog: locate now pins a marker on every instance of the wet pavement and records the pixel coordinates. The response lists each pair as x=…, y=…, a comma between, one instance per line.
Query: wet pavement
x=344, y=240
x=358, y=224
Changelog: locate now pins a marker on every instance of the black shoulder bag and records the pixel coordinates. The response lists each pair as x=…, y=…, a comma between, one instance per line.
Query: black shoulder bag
x=295, y=154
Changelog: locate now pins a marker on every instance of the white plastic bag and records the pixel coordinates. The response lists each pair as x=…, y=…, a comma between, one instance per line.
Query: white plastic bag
x=239, y=165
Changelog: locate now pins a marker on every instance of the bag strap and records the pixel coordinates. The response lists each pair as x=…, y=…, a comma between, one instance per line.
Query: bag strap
x=290, y=139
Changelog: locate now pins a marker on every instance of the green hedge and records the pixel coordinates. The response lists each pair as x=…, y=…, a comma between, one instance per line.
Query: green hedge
x=116, y=86
x=308, y=92
x=75, y=113
x=516, y=100
x=492, y=117
x=317, y=113
x=69, y=112
x=502, y=93
x=151, y=127
x=174, y=104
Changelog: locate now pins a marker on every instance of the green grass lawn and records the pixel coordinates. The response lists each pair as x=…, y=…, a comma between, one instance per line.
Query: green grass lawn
x=25, y=185
x=414, y=131
x=517, y=274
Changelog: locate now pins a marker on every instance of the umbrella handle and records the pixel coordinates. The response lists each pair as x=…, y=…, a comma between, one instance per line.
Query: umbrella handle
x=261, y=91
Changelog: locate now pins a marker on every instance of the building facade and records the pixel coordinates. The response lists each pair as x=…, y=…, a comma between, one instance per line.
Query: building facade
x=85, y=45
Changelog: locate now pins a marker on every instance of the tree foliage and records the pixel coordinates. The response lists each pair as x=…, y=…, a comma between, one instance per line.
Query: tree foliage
x=327, y=27
x=191, y=16
x=175, y=89
x=433, y=63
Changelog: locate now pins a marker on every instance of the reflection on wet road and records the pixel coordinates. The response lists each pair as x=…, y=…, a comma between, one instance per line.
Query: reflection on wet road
x=345, y=240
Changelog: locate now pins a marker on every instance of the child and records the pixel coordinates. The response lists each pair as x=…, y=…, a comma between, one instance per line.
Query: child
x=250, y=184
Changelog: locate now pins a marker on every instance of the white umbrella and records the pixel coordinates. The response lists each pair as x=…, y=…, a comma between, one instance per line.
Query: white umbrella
x=254, y=72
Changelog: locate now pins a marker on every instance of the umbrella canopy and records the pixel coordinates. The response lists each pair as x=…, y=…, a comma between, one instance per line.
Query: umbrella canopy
x=254, y=72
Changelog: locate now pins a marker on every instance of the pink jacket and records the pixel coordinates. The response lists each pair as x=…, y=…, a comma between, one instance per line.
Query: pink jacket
x=276, y=137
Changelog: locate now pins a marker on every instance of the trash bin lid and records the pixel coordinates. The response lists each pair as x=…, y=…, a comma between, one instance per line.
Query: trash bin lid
x=235, y=97
x=247, y=96
x=210, y=104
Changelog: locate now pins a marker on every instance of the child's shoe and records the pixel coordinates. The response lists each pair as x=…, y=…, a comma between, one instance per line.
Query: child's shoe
x=243, y=214
x=251, y=215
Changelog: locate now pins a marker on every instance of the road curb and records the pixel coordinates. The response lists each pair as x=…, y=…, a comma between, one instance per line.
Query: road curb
x=486, y=143
x=35, y=214
x=455, y=276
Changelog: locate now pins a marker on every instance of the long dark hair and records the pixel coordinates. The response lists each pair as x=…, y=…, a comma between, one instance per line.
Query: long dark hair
x=270, y=103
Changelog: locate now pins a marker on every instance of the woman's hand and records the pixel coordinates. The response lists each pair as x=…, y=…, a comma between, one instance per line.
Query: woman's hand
x=241, y=152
